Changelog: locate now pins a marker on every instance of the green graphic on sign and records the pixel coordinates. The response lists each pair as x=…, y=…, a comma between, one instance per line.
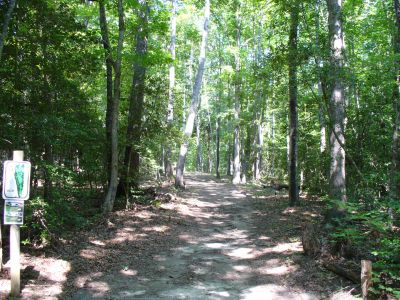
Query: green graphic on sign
x=19, y=178
x=16, y=180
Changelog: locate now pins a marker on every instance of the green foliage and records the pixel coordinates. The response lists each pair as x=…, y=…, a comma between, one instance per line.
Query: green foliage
x=375, y=234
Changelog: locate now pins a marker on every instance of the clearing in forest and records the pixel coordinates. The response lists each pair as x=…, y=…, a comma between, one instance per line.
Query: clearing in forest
x=215, y=241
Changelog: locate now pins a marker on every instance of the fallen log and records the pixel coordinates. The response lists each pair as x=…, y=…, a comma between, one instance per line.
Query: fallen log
x=342, y=271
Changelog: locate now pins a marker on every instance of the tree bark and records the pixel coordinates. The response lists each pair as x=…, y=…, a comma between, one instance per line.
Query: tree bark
x=109, y=85
x=293, y=121
x=171, y=95
x=179, y=182
x=6, y=22
x=114, y=111
x=236, y=145
x=131, y=167
x=199, y=148
x=337, y=102
x=321, y=111
x=395, y=169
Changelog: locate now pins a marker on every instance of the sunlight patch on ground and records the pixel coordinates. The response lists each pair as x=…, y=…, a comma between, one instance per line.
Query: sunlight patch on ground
x=285, y=247
x=280, y=270
x=157, y=228
x=93, y=253
x=215, y=245
x=272, y=291
x=252, y=253
x=97, y=243
x=129, y=272
x=241, y=253
x=55, y=271
x=241, y=268
x=123, y=236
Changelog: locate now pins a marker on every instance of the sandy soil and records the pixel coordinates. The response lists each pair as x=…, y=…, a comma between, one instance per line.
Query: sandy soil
x=215, y=241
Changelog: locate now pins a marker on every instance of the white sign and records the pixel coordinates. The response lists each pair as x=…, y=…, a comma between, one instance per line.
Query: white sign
x=16, y=180
x=14, y=212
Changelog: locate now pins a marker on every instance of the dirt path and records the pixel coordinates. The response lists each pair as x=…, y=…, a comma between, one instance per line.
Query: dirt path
x=216, y=241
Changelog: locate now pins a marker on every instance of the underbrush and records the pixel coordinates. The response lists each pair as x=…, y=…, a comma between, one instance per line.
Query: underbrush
x=371, y=231
x=69, y=209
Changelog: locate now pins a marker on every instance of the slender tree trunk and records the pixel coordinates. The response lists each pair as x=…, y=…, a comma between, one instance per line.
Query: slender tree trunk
x=293, y=122
x=229, y=159
x=130, y=174
x=179, y=182
x=395, y=170
x=218, y=125
x=209, y=141
x=337, y=102
x=6, y=22
x=171, y=96
x=321, y=112
x=109, y=84
x=199, y=149
x=236, y=145
x=218, y=133
x=112, y=188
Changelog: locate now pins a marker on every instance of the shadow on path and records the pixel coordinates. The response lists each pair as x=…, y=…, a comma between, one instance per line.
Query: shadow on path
x=217, y=242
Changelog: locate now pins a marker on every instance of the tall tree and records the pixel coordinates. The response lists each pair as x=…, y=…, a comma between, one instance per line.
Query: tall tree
x=171, y=95
x=136, y=98
x=6, y=22
x=293, y=119
x=337, y=178
x=236, y=144
x=113, y=110
x=179, y=182
x=394, y=184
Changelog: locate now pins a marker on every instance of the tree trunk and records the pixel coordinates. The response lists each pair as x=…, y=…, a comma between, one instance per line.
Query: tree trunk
x=171, y=96
x=130, y=174
x=199, y=149
x=6, y=22
x=236, y=145
x=195, y=100
x=337, y=179
x=209, y=141
x=293, y=122
x=218, y=133
x=321, y=113
x=109, y=84
x=114, y=113
x=395, y=170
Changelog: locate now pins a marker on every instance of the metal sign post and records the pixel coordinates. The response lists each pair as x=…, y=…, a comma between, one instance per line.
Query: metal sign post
x=16, y=184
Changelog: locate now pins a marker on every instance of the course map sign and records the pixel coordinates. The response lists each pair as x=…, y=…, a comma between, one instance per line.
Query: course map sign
x=16, y=180
x=14, y=212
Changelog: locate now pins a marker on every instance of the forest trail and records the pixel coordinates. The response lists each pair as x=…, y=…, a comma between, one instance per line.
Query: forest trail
x=216, y=241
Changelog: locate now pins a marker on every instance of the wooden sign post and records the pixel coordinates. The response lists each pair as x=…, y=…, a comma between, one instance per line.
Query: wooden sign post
x=15, y=247
x=16, y=183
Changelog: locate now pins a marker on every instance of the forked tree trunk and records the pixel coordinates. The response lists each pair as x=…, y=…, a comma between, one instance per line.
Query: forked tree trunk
x=171, y=95
x=236, y=144
x=179, y=182
x=337, y=102
x=395, y=170
x=6, y=22
x=293, y=122
x=112, y=188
